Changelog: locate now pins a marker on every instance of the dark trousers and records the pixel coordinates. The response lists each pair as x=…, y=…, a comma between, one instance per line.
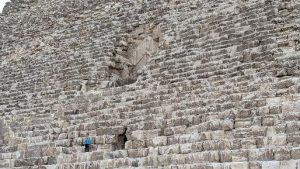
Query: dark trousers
x=87, y=148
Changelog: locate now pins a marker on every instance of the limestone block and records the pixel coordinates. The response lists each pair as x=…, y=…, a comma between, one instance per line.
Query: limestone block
x=143, y=135
x=62, y=143
x=63, y=136
x=268, y=121
x=218, y=135
x=171, y=149
x=259, y=131
x=225, y=156
x=136, y=153
x=289, y=164
x=52, y=160
x=248, y=143
x=274, y=101
x=240, y=165
x=254, y=165
x=292, y=127
x=4, y=163
x=163, y=160
x=227, y=124
x=279, y=140
x=186, y=148
x=242, y=123
x=100, y=140
x=275, y=109
x=270, y=164
x=159, y=141
x=281, y=154
x=239, y=155
x=211, y=156
x=109, y=139
x=177, y=159
x=293, y=138
x=260, y=154
x=295, y=153
x=135, y=144
x=197, y=147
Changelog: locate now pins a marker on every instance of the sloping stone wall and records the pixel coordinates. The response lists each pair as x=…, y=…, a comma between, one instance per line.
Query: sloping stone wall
x=219, y=88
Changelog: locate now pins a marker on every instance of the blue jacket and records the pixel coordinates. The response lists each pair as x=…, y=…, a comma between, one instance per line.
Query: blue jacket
x=87, y=140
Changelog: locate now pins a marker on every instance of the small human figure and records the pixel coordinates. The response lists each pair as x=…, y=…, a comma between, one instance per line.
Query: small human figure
x=87, y=143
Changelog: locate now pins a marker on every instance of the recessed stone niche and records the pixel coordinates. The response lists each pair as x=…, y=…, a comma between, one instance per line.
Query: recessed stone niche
x=4, y=132
x=132, y=53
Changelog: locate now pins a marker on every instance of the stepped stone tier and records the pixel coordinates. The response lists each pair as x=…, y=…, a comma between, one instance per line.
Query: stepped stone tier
x=175, y=84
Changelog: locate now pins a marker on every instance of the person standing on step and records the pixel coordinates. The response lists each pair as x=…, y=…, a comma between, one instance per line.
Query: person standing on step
x=87, y=143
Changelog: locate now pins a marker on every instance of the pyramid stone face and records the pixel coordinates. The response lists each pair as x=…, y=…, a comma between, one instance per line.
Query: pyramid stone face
x=178, y=84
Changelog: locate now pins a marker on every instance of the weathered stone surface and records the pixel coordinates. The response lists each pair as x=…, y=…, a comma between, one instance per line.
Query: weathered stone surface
x=155, y=84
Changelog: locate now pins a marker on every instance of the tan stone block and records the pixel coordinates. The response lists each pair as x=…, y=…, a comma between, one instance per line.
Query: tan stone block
x=143, y=135
x=135, y=144
x=289, y=164
x=163, y=160
x=270, y=165
x=172, y=149
x=239, y=155
x=248, y=143
x=295, y=153
x=159, y=141
x=275, y=109
x=211, y=156
x=267, y=121
x=258, y=131
x=225, y=156
x=260, y=154
x=177, y=159
x=281, y=154
x=217, y=135
x=100, y=140
x=240, y=165
x=136, y=153
x=242, y=123
x=227, y=124
x=279, y=140
x=197, y=147
x=109, y=139
x=254, y=165
x=186, y=148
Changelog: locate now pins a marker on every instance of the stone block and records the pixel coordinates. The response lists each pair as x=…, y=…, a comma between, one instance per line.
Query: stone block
x=147, y=134
x=99, y=140
x=171, y=149
x=159, y=141
x=281, y=154
x=240, y=165
x=217, y=135
x=268, y=121
x=279, y=140
x=270, y=165
x=137, y=153
x=225, y=156
x=239, y=155
x=260, y=154
x=289, y=164
x=52, y=160
x=275, y=109
x=135, y=144
x=295, y=153
x=254, y=165
x=197, y=147
x=186, y=148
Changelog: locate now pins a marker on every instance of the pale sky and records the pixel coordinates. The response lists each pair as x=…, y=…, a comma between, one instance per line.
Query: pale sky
x=2, y=3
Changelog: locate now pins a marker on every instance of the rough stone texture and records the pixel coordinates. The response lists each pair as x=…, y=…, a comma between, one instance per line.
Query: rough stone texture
x=178, y=84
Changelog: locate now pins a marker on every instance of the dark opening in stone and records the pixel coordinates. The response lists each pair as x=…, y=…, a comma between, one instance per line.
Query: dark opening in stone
x=122, y=139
